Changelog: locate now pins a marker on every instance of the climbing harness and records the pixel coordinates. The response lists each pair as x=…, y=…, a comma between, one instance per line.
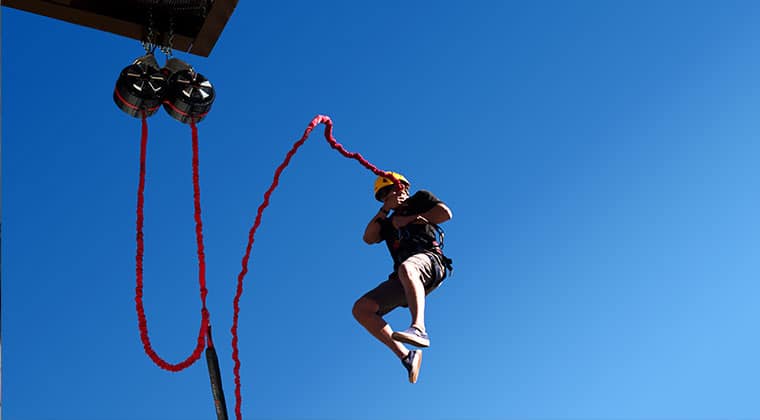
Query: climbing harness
x=414, y=244
x=438, y=247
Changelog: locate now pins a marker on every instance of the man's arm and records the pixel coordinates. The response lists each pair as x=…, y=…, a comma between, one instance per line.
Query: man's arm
x=372, y=231
x=438, y=214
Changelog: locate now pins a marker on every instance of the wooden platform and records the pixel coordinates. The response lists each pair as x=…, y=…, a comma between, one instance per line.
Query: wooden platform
x=196, y=24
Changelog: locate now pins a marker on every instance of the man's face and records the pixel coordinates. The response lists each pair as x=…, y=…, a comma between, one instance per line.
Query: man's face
x=393, y=197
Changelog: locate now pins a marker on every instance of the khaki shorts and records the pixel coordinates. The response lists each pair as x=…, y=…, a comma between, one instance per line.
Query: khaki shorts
x=390, y=293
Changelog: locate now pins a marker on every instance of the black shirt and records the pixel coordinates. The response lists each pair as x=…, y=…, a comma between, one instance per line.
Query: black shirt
x=414, y=237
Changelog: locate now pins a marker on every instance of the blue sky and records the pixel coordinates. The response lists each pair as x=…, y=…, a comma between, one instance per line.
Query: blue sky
x=600, y=159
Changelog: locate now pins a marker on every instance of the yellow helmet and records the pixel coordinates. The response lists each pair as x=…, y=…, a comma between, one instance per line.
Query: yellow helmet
x=382, y=182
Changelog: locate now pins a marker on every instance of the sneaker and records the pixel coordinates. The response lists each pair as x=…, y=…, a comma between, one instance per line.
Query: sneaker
x=412, y=363
x=413, y=336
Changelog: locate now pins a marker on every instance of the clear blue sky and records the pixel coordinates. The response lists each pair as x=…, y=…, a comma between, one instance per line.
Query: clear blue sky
x=600, y=159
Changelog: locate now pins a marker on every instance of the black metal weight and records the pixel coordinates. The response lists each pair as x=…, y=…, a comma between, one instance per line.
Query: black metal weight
x=190, y=94
x=141, y=87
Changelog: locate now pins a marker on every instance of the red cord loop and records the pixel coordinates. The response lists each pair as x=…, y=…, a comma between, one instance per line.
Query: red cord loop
x=142, y=320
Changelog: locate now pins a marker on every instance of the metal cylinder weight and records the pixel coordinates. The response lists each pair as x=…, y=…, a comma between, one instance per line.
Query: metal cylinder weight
x=190, y=95
x=141, y=87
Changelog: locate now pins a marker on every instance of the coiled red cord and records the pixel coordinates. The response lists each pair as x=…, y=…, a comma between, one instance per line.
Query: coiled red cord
x=205, y=323
x=142, y=321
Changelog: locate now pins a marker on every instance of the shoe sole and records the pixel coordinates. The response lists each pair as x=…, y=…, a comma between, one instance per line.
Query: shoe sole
x=415, y=372
x=410, y=339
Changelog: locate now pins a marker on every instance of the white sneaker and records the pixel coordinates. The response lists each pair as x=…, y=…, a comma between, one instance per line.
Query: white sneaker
x=413, y=336
x=412, y=362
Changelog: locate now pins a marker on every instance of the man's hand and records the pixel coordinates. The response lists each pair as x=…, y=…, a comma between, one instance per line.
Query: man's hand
x=394, y=199
x=401, y=221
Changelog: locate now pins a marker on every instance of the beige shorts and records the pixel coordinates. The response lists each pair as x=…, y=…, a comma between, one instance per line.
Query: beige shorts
x=390, y=293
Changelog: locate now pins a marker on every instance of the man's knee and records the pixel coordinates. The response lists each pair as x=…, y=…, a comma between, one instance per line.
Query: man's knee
x=364, y=307
x=408, y=271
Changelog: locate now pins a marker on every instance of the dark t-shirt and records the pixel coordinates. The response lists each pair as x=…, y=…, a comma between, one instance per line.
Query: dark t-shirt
x=414, y=237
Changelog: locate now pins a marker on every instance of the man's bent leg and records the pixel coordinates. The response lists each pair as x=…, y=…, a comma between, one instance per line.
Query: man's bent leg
x=365, y=312
x=411, y=279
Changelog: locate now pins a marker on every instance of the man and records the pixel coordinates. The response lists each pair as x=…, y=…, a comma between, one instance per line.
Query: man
x=419, y=266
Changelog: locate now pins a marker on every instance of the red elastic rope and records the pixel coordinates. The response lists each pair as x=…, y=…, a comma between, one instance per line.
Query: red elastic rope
x=319, y=119
x=142, y=321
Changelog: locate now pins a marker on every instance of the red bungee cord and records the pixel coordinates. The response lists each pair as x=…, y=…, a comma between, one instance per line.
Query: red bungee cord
x=204, y=334
x=319, y=119
x=204, y=329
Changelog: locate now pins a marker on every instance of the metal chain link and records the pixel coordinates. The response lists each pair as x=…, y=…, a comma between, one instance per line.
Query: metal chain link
x=152, y=42
x=149, y=44
x=167, y=49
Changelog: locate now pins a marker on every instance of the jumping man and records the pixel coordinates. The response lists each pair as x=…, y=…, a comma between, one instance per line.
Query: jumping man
x=419, y=266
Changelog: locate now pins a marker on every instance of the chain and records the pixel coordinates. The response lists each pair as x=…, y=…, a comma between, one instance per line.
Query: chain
x=167, y=49
x=149, y=44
